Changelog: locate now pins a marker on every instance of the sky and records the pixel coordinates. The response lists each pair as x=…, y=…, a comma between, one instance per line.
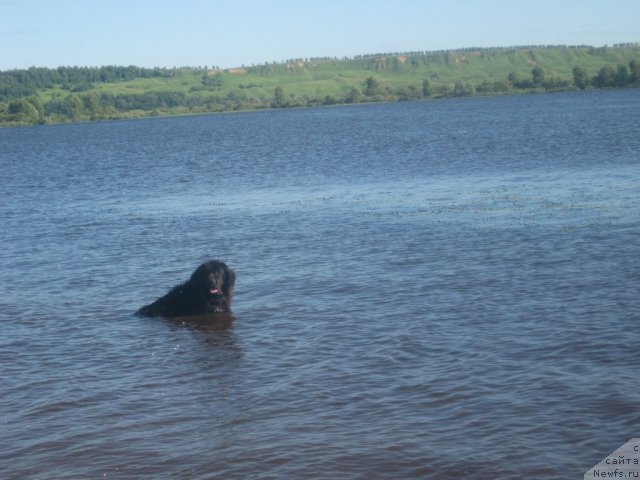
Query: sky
x=232, y=33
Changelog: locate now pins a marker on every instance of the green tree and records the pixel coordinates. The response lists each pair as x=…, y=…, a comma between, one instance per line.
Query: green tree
x=426, y=88
x=371, y=86
x=279, y=100
x=70, y=108
x=516, y=82
x=329, y=100
x=76, y=107
x=26, y=110
x=91, y=103
x=537, y=76
x=213, y=81
x=634, y=69
x=36, y=101
x=462, y=89
x=580, y=78
x=353, y=95
x=622, y=76
x=410, y=92
x=485, y=87
x=606, y=77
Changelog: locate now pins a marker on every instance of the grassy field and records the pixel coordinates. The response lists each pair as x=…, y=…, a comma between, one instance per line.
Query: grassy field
x=473, y=66
x=304, y=82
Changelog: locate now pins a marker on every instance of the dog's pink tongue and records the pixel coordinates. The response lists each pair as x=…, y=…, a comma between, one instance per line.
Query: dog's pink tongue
x=214, y=291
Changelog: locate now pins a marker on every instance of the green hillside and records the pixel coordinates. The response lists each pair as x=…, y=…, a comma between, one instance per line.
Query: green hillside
x=41, y=95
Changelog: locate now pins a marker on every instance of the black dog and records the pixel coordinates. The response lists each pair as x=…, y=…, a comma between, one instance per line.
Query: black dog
x=209, y=290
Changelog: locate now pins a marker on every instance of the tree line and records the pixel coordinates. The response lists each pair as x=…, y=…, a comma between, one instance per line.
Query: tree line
x=93, y=105
x=374, y=90
x=22, y=83
x=100, y=106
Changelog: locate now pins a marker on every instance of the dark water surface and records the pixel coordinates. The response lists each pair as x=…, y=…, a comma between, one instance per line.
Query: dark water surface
x=445, y=289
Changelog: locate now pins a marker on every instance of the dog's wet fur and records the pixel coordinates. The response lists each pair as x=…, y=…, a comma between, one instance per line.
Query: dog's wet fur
x=209, y=290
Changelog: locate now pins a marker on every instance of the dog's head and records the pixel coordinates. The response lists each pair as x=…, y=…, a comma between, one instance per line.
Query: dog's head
x=215, y=281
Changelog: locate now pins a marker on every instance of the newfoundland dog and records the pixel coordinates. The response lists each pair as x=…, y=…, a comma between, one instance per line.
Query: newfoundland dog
x=209, y=290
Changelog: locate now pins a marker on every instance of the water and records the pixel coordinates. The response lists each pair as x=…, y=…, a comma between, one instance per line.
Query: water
x=434, y=290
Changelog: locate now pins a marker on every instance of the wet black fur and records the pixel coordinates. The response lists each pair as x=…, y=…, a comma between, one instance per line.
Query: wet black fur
x=193, y=297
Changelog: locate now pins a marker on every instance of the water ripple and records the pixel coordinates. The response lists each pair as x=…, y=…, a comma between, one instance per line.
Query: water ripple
x=425, y=290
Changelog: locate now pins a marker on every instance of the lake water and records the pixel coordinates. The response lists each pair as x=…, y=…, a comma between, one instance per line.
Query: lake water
x=434, y=290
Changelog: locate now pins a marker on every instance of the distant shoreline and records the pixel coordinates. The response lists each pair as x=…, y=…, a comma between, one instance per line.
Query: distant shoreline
x=78, y=94
x=271, y=109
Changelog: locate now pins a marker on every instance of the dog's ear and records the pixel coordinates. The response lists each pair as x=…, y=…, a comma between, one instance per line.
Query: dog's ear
x=199, y=277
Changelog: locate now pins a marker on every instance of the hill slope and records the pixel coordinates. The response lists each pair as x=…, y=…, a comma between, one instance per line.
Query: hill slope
x=40, y=95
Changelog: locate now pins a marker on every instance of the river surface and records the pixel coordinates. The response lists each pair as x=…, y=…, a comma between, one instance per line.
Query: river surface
x=431, y=290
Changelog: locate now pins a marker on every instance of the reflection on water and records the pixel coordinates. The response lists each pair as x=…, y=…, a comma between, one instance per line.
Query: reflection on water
x=207, y=323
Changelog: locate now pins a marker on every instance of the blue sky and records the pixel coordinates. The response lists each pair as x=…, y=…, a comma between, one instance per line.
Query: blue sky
x=229, y=33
